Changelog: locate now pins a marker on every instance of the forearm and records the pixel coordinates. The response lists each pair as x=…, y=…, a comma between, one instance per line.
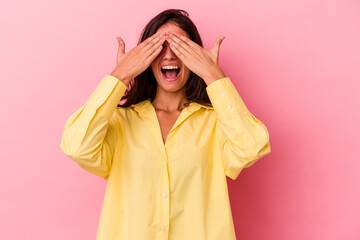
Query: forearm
x=243, y=138
x=89, y=134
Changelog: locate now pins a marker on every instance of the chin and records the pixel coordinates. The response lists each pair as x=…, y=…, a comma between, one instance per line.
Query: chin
x=171, y=86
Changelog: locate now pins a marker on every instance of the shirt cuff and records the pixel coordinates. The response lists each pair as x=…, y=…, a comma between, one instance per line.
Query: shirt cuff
x=225, y=98
x=107, y=95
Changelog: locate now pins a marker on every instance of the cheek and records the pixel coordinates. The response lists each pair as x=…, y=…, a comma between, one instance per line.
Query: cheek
x=153, y=68
x=155, y=63
x=187, y=71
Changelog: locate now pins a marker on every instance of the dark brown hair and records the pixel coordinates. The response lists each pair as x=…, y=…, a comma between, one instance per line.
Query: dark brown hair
x=144, y=85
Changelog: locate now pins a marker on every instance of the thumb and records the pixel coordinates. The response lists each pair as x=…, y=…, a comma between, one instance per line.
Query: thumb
x=215, y=49
x=217, y=44
x=121, y=50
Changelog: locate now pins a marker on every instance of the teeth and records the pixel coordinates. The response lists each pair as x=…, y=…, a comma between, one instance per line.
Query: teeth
x=170, y=67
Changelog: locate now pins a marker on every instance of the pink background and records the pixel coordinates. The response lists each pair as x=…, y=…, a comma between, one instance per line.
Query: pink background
x=295, y=63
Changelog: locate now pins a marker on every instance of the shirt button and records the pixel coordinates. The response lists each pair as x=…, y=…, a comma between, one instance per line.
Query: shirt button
x=229, y=106
x=164, y=161
x=223, y=94
x=106, y=88
x=99, y=100
x=163, y=228
x=164, y=194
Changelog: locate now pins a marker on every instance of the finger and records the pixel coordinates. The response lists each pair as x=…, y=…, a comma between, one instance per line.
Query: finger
x=176, y=40
x=179, y=45
x=121, y=49
x=215, y=50
x=154, y=54
x=154, y=47
x=217, y=44
x=220, y=40
x=154, y=43
x=150, y=41
x=178, y=51
x=186, y=40
x=192, y=50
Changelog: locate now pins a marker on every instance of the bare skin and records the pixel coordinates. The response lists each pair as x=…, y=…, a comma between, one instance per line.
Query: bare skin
x=170, y=44
x=170, y=97
x=166, y=121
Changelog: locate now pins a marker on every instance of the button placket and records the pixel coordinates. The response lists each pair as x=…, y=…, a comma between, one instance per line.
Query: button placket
x=164, y=204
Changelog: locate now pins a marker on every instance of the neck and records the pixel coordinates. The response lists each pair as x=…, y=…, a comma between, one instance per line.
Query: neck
x=169, y=101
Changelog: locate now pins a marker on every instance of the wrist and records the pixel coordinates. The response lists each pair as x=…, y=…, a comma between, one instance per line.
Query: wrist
x=121, y=77
x=214, y=75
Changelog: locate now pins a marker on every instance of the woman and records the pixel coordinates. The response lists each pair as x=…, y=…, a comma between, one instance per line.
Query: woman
x=167, y=150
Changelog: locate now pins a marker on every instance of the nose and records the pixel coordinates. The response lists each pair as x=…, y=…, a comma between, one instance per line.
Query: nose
x=168, y=53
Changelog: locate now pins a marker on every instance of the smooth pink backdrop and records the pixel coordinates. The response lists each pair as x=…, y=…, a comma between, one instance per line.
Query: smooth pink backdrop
x=295, y=63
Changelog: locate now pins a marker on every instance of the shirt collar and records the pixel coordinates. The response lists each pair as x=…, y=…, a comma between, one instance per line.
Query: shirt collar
x=146, y=105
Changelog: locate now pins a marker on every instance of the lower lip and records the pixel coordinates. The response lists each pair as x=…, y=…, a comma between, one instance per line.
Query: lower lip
x=171, y=79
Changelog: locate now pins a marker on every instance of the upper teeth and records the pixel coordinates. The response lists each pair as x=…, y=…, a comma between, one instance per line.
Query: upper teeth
x=170, y=67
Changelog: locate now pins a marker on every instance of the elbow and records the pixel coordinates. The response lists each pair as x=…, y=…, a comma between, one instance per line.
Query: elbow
x=91, y=161
x=266, y=149
x=80, y=153
x=67, y=150
x=76, y=156
x=262, y=142
x=89, y=158
x=260, y=149
x=263, y=147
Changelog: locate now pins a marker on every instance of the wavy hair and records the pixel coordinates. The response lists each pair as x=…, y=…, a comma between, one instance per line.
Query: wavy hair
x=144, y=85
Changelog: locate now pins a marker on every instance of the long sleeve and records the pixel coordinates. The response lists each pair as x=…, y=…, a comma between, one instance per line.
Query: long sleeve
x=90, y=134
x=243, y=138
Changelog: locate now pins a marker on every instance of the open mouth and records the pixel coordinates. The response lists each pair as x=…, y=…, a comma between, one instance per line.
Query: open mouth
x=170, y=74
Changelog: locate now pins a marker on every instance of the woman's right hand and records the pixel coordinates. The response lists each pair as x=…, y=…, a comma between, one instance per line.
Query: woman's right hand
x=136, y=61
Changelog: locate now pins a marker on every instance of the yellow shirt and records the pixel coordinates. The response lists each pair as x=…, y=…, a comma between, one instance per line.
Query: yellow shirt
x=177, y=190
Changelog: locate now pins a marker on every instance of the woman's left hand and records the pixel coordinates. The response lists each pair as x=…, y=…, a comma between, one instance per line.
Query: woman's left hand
x=202, y=62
